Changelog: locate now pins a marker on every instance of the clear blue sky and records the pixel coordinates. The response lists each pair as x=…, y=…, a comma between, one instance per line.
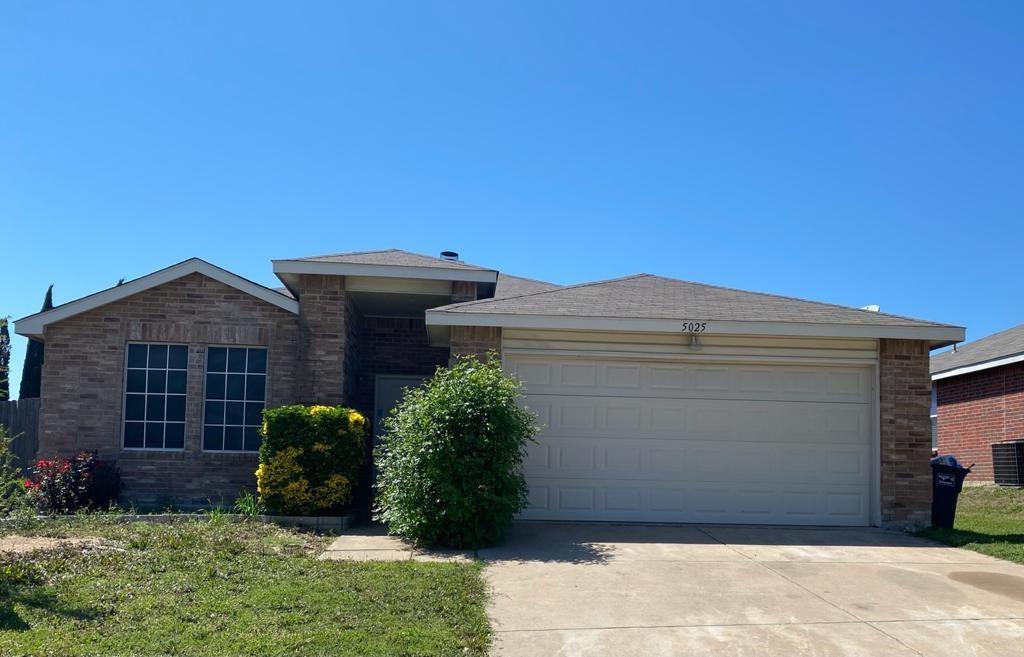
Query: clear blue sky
x=847, y=152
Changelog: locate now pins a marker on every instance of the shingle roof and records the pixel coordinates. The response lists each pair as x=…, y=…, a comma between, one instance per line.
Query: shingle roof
x=514, y=286
x=644, y=296
x=996, y=346
x=395, y=257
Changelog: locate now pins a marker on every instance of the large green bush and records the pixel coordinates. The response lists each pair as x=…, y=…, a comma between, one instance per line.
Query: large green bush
x=450, y=462
x=310, y=458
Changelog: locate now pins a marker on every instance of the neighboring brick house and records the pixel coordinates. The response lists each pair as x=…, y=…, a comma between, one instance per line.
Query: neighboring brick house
x=659, y=400
x=978, y=398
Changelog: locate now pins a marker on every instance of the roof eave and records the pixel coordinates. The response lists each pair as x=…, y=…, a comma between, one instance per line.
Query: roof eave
x=978, y=367
x=384, y=271
x=937, y=336
x=32, y=326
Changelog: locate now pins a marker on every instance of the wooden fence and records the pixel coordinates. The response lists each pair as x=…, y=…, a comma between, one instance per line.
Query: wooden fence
x=21, y=417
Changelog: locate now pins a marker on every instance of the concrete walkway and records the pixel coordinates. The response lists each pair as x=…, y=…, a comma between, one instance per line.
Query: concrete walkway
x=372, y=543
x=621, y=590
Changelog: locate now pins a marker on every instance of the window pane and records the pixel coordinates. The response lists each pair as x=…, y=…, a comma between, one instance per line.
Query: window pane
x=254, y=387
x=257, y=361
x=214, y=412
x=175, y=408
x=213, y=438
x=254, y=413
x=233, y=438
x=176, y=382
x=215, y=386
x=236, y=360
x=154, y=407
x=154, y=435
x=234, y=412
x=177, y=357
x=236, y=386
x=157, y=355
x=136, y=381
x=216, y=359
x=157, y=381
x=175, y=436
x=135, y=407
x=133, y=433
x=252, y=439
x=136, y=355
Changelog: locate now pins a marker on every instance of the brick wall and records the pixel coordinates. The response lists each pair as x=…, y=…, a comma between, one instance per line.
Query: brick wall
x=83, y=376
x=904, y=405
x=475, y=340
x=392, y=345
x=322, y=312
x=978, y=409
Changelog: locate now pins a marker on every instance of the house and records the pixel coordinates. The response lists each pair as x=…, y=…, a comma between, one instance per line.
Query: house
x=978, y=398
x=661, y=399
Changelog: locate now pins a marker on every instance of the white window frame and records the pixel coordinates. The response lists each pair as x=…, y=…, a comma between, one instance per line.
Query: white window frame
x=125, y=393
x=206, y=372
x=933, y=413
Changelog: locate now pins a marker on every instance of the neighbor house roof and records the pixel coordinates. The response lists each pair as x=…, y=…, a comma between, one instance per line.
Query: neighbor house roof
x=33, y=325
x=514, y=286
x=998, y=349
x=654, y=303
x=394, y=263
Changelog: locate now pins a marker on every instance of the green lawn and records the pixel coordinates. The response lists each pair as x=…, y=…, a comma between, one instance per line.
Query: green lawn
x=222, y=588
x=989, y=520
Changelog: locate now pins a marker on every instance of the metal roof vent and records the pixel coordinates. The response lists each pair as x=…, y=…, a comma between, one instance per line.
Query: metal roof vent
x=871, y=309
x=450, y=255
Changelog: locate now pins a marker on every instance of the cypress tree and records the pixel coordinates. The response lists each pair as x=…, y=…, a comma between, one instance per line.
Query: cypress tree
x=5, y=360
x=32, y=373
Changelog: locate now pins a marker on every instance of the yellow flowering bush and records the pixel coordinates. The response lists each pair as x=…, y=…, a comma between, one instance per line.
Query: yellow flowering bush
x=310, y=458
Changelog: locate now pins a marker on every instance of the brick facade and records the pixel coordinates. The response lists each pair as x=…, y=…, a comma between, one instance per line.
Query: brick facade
x=904, y=403
x=475, y=340
x=83, y=376
x=392, y=345
x=978, y=409
x=323, y=307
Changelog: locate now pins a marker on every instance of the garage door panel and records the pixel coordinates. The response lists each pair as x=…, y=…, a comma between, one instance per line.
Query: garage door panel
x=687, y=419
x=681, y=380
x=697, y=502
x=642, y=461
x=698, y=442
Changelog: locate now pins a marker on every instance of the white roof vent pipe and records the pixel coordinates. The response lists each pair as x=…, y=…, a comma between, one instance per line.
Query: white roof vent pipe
x=873, y=308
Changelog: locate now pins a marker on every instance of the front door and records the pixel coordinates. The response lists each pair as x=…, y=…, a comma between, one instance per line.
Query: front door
x=389, y=391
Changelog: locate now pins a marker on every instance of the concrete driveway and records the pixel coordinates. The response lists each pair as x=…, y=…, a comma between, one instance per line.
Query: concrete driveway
x=620, y=590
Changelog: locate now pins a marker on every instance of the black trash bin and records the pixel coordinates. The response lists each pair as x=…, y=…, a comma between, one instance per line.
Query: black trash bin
x=947, y=482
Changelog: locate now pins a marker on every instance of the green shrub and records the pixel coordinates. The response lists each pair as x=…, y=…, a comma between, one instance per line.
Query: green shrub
x=450, y=463
x=310, y=458
x=12, y=483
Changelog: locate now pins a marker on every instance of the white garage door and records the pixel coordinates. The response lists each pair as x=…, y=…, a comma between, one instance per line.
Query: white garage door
x=698, y=442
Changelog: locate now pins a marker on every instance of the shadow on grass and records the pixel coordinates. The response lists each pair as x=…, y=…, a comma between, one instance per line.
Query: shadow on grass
x=37, y=598
x=961, y=537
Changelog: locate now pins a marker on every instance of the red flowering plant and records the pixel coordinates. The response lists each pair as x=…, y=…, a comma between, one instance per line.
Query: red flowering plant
x=61, y=485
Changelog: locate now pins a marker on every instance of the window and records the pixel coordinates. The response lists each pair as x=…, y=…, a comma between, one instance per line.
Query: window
x=236, y=383
x=154, y=396
x=935, y=418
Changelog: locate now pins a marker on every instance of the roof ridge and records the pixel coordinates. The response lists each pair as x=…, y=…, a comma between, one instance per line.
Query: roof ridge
x=793, y=298
x=532, y=280
x=972, y=344
x=532, y=294
x=348, y=253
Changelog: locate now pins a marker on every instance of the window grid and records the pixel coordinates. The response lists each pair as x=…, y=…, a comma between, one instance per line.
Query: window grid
x=153, y=403
x=221, y=431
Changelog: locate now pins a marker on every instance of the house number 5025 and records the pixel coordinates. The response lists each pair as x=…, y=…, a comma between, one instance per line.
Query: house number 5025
x=694, y=327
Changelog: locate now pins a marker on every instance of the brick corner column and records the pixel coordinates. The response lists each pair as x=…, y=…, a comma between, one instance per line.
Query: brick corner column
x=905, y=433
x=322, y=317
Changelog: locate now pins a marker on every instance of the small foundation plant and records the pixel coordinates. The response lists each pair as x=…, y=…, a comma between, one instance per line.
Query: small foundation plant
x=450, y=461
x=310, y=459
